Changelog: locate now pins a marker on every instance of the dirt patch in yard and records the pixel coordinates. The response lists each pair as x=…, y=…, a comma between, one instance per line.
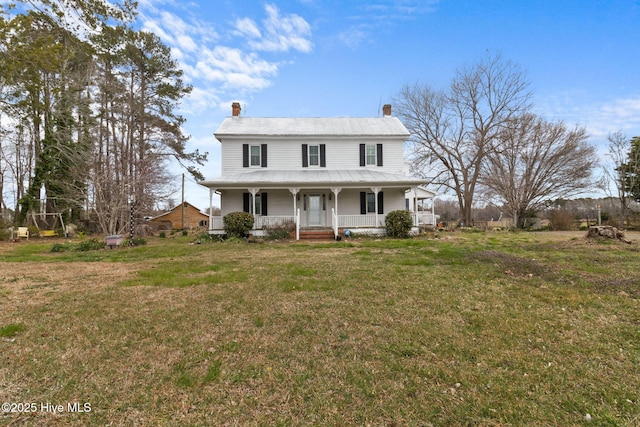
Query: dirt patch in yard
x=30, y=283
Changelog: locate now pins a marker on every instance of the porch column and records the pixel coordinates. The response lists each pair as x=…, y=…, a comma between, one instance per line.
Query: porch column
x=253, y=192
x=335, y=191
x=294, y=192
x=376, y=190
x=415, y=206
x=433, y=212
x=211, y=192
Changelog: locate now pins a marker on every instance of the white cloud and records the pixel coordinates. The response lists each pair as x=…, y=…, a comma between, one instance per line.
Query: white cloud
x=215, y=68
x=372, y=17
x=598, y=117
x=281, y=33
x=248, y=28
x=353, y=37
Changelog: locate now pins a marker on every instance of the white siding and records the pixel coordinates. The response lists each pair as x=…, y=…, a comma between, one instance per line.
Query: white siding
x=287, y=154
x=231, y=201
x=231, y=158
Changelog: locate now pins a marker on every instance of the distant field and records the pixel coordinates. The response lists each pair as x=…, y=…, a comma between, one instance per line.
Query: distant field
x=490, y=329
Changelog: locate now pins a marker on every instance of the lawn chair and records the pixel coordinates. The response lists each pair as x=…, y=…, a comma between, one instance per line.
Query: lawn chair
x=23, y=232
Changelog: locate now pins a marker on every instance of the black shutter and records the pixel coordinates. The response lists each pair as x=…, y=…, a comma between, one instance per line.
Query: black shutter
x=245, y=155
x=305, y=156
x=381, y=202
x=323, y=155
x=362, y=155
x=264, y=155
x=246, y=202
x=363, y=203
x=263, y=202
x=379, y=152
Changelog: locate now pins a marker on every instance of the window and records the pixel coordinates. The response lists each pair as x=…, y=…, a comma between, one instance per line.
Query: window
x=258, y=204
x=314, y=155
x=255, y=155
x=261, y=203
x=368, y=203
x=371, y=155
x=371, y=203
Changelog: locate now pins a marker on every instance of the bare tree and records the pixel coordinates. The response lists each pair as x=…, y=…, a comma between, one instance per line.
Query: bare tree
x=453, y=131
x=623, y=171
x=538, y=161
x=618, y=150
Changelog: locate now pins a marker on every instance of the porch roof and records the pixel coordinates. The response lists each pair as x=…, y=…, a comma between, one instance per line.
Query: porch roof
x=313, y=178
x=421, y=193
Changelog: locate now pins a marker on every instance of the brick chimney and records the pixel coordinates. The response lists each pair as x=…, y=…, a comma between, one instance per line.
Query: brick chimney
x=235, y=109
x=386, y=110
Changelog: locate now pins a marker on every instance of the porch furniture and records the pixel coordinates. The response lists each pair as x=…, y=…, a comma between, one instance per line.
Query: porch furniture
x=23, y=232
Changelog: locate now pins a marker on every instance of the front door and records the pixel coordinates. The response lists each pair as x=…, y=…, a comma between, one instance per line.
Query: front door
x=315, y=210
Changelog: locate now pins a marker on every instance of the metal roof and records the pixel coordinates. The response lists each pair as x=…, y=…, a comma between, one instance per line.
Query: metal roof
x=385, y=126
x=264, y=178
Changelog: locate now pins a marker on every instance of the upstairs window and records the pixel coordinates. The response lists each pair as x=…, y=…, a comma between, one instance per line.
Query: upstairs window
x=254, y=155
x=370, y=154
x=314, y=155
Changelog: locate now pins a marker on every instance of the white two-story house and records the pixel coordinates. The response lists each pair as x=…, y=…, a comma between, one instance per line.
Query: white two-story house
x=331, y=173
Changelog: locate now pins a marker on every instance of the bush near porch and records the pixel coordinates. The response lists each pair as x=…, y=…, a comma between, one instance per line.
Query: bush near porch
x=238, y=224
x=398, y=224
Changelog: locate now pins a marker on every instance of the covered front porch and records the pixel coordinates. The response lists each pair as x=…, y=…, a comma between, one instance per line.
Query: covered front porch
x=336, y=200
x=354, y=223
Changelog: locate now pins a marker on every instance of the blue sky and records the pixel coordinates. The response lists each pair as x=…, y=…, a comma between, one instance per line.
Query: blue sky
x=313, y=58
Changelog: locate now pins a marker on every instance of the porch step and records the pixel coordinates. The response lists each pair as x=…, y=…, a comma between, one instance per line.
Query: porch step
x=316, y=234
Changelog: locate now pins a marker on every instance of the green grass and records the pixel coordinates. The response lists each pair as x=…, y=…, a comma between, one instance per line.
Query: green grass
x=470, y=329
x=11, y=330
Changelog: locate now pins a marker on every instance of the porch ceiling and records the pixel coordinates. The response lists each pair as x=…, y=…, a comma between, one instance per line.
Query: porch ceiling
x=313, y=178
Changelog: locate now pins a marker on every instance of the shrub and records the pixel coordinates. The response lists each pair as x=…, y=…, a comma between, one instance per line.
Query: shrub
x=238, y=224
x=89, y=245
x=137, y=241
x=281, y=230
x=58, y=247
x=562, y=220
x=398, y=224
x=4, y=230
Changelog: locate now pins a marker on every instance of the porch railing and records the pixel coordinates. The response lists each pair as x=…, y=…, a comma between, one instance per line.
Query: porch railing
x=425, y=219
x=337, y=221
x=272, y=221
x=357, y=221
x=216, y=223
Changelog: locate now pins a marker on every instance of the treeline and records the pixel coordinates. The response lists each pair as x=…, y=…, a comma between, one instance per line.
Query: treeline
x=479, y=138
x=88, y=116
x=563, y=214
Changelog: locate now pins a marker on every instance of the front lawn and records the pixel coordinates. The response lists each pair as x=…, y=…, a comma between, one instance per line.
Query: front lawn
x=464, y=329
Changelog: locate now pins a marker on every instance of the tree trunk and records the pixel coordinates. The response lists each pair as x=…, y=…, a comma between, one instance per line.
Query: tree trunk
x=607, y=232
